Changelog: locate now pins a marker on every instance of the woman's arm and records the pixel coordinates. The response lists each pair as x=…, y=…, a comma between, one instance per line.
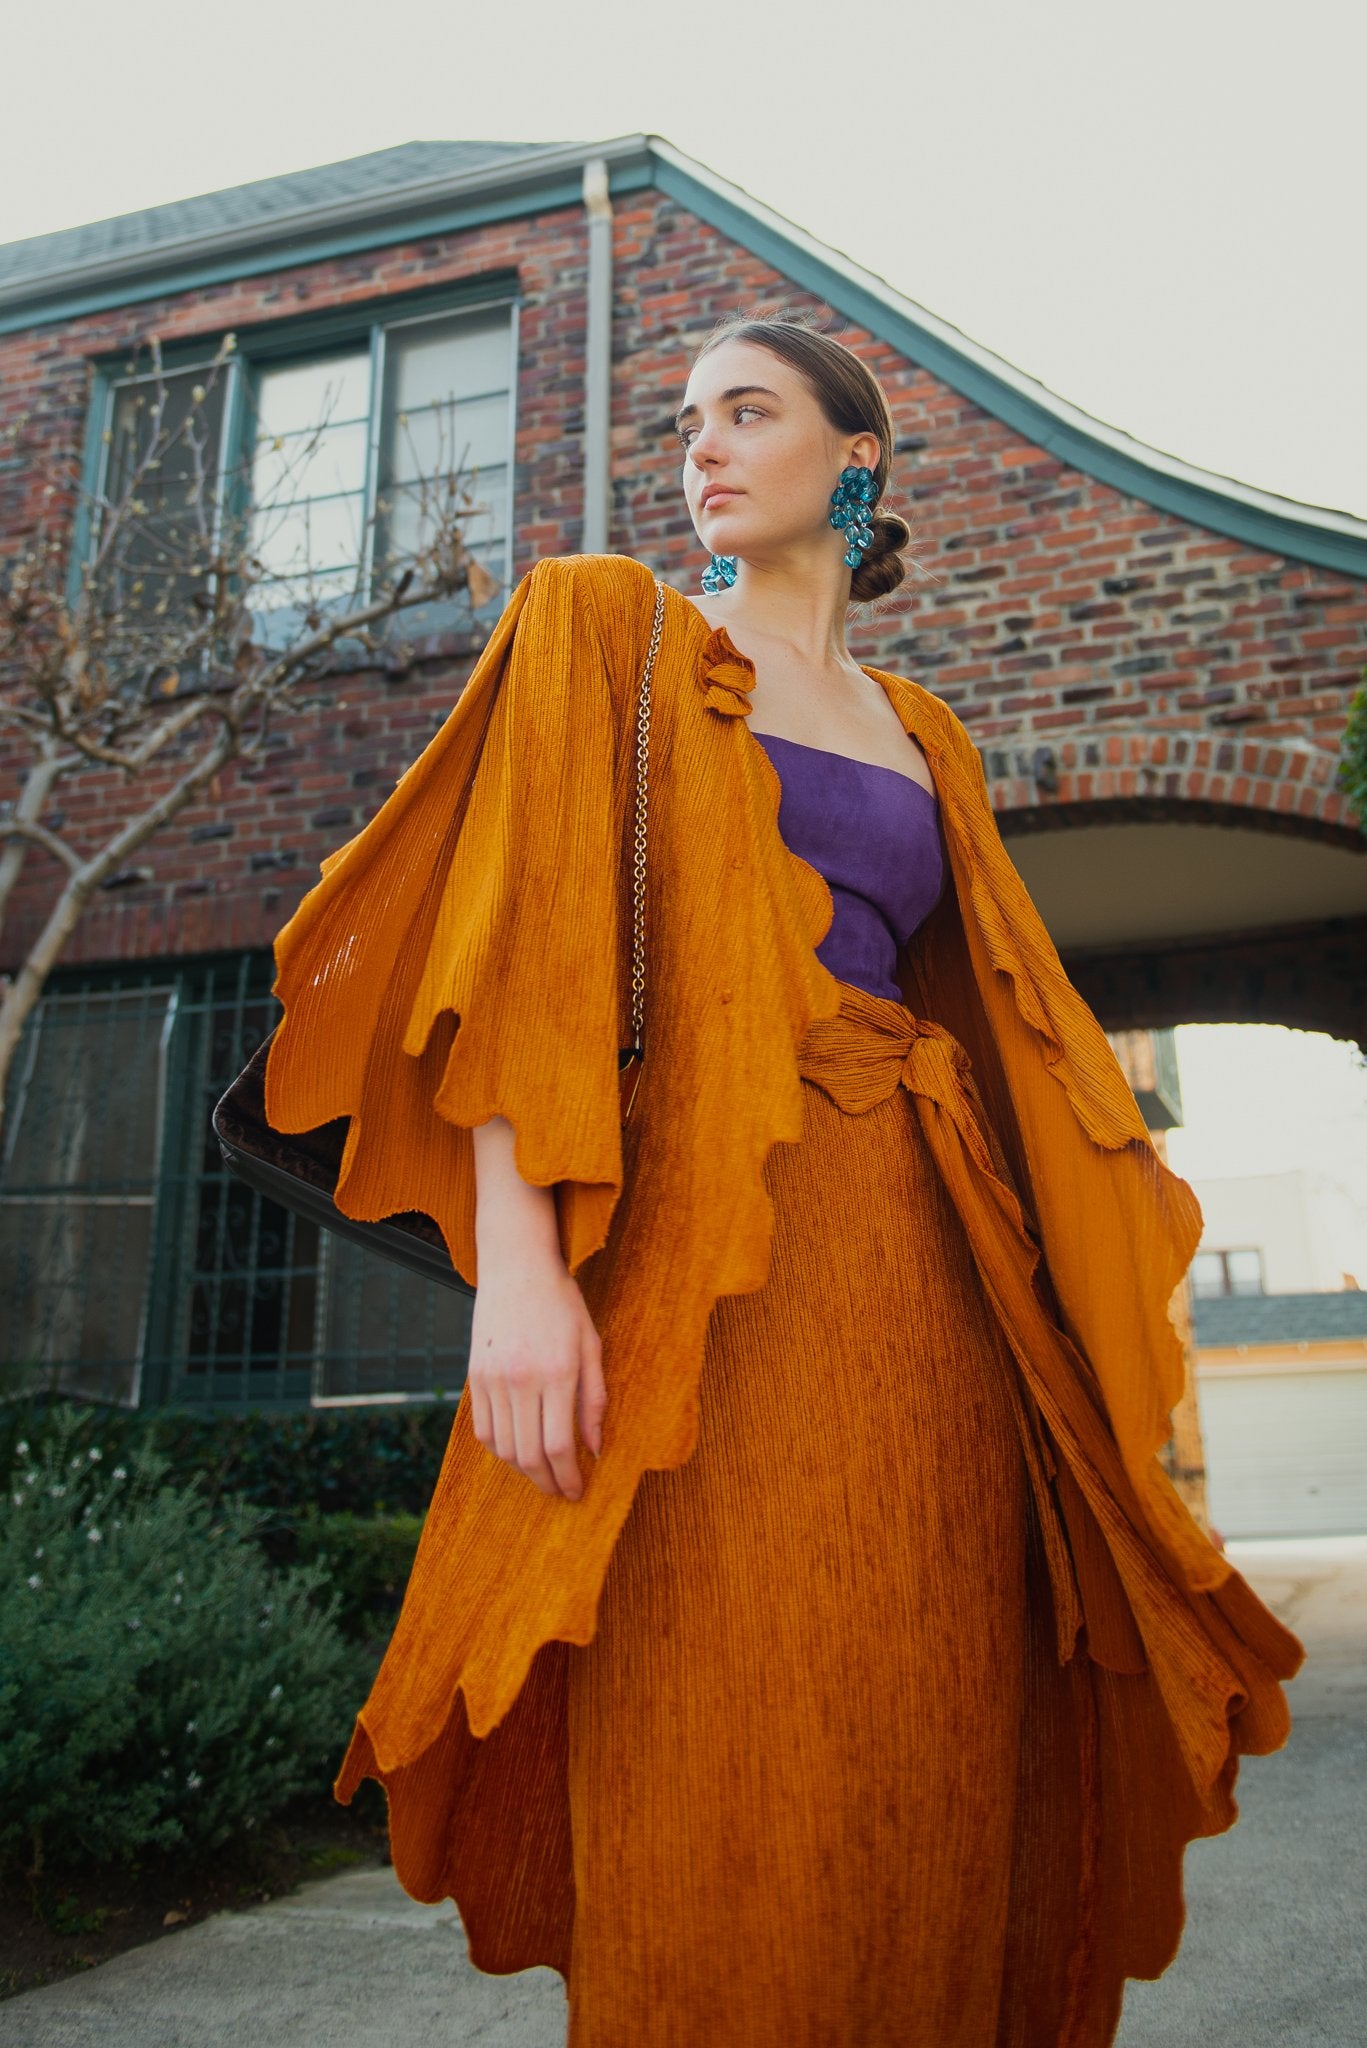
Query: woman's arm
x=534, y=1351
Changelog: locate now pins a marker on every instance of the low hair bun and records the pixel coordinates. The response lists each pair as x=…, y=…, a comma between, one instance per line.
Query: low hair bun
x=882, y=568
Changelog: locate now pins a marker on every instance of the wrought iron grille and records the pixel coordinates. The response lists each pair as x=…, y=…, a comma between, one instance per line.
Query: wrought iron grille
x=133, y=1269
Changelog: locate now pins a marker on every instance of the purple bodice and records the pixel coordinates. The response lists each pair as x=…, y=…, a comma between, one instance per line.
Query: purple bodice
x=873, y=835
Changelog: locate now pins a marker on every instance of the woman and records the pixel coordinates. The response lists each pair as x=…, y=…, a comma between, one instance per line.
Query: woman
x=805, y=1646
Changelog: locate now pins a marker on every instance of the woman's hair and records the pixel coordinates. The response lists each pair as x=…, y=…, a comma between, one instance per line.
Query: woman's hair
x=854, y=402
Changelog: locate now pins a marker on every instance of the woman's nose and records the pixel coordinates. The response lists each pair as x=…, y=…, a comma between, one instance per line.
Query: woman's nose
x=701, y=448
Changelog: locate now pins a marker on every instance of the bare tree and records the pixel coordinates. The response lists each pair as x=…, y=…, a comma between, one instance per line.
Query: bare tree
x=182, y=631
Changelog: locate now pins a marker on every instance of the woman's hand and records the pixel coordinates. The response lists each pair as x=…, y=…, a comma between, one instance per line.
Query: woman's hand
x=536, y=1359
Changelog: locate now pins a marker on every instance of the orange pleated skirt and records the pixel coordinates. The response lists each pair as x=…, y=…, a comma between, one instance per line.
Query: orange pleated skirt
x=828, y=1785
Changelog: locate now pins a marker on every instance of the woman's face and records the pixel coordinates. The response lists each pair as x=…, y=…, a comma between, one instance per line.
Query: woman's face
x=760, y=457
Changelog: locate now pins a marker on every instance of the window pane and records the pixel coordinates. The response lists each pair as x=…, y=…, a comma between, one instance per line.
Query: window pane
x=77, y=1187
x=322, y=534
x=73, y=1283
x=1245, y=1272
x=447, y=410
x=451, y=438
x=461, y=355
x=165, y=520
x=388, y=1330
x=294, y=396
x=87, y=1094
x=410, y=524
x=315, y=462
x=309, y=451
x=1208, y=1274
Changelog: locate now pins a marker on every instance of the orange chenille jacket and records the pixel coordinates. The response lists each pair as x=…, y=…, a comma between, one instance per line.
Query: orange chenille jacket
x=467, y=955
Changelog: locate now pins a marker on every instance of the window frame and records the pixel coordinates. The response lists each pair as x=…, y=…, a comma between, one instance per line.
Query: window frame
x=199, y=997
x=301, y=338
x=1227, y=1291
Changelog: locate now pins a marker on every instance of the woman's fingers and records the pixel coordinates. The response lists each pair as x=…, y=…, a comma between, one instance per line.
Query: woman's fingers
x=593, y=1393
x=481, y=1416
x=557, y=1436
x=529, y=1452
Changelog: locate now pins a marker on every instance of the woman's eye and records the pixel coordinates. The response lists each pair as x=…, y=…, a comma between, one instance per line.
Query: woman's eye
x=686, y=433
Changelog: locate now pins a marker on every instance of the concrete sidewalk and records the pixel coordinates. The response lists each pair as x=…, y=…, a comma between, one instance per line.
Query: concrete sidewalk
x=1273, y=1955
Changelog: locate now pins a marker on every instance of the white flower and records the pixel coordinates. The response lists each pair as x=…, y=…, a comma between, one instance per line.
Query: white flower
x=38, y=1550
x=190, y=1727
x=270, y=1742
x=18, y=1500
x=56, y=1491
x=180, y=1578
x=175, y=1599
x=21, y=1450
x=194, y=1781
x=75, y=1464
x=119, y=1472
x=135, y=1621
x=93, y=1536
x=35, y=1580
x=30, y=1479
x=276, y=1691
x=94, y=1454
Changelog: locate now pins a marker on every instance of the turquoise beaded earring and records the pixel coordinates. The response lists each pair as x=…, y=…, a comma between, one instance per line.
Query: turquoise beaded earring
x=852, y=503
x=719, y=575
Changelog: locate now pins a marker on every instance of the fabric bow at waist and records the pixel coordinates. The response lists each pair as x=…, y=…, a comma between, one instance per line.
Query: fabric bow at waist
x=874, y=1046
x=1103, y=1570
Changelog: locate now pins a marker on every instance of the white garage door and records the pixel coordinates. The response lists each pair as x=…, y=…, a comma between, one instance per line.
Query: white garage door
x=1286, y=1453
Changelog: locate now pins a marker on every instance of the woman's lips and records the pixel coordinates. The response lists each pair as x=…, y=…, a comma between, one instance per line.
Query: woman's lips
x=719, y=497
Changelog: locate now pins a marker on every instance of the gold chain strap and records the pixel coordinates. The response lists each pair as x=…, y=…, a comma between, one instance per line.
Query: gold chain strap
x=631, y=1058
x=638, y=892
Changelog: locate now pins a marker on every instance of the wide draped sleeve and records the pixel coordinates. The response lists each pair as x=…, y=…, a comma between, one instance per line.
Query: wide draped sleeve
x=460, y=958
x=1117, y=1226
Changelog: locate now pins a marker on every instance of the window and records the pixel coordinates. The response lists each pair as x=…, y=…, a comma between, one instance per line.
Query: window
x=77, y=1190
x=134, y=1269
x=1226, y=1272
x=336, y=454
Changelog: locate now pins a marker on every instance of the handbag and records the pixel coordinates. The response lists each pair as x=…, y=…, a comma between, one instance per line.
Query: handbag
x=299, y=1170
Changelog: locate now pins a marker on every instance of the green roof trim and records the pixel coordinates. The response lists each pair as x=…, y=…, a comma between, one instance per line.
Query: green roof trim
x=424, y=189
x=1223, y=506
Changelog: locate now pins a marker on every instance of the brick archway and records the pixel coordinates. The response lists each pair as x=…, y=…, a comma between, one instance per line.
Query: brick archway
x=1104, y=776
x=1308, y=971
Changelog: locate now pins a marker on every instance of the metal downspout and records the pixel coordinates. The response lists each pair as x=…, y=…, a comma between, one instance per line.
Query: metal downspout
x=598, y=362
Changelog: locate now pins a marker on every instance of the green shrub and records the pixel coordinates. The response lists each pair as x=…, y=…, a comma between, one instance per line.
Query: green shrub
x=367, y=1562
x=161, y=1686
x=364, y=1461
x=1352, y=768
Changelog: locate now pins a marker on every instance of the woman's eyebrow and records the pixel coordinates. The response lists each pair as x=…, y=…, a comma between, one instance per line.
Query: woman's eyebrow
x=736, y=391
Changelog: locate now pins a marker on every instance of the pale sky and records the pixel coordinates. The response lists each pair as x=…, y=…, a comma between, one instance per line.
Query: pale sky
x=1257, y=1098
x=1156, y=212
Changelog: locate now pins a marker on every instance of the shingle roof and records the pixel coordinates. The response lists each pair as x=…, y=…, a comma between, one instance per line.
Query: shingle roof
x=130, y=235
x=1280, y=1318
x=436, y=188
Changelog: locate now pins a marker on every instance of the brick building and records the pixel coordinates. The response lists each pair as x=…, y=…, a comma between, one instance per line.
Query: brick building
x=1156, y=663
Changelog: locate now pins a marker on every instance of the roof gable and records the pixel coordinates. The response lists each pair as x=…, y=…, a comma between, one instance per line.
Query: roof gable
x=432, y=188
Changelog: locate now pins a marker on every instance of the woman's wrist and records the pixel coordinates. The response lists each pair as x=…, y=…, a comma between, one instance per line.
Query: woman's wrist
x=516, y=1226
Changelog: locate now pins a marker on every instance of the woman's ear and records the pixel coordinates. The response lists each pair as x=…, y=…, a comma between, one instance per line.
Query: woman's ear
x=866, y=450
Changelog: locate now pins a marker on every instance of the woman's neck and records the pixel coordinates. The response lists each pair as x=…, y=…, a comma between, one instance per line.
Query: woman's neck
x=795, y=604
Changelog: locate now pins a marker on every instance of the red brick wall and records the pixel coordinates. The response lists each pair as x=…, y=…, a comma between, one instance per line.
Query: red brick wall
x=1102, y=652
